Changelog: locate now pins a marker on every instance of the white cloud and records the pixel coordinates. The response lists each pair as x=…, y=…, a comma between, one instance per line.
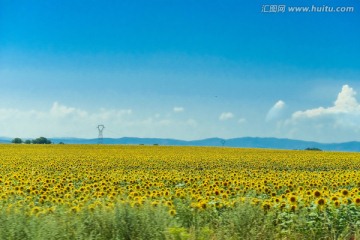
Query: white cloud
x=178, y=109
x=59, y=121
x=226, y=116
x=65, y=121
x=275, y=111
x=242, y=120
x=58, y=110
x=339, y=122
x=345, y=104
x=191, y=122
x=111, y=114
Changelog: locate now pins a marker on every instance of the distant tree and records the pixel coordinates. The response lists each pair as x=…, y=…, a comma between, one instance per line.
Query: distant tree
x=27, y=141
x=313, y=149
x=41, y=140
x=61, y=143
x=17, y=140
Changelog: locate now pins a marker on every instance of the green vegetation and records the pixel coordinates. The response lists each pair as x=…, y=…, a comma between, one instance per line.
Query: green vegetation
x=245, y=221
x=40, y=140
x=144, y=192
x=313, y=149
x=17, y=141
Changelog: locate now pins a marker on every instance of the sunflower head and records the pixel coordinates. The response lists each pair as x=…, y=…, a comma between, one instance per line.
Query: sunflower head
x=334, y=198
x=321, y=201
x=75, y=209
x=293, y=208
x=345, y=192
x=266, y=206
x=357, y=201
x=317, y=193
x=172, y=212
x=203, y=205
x=292, y=199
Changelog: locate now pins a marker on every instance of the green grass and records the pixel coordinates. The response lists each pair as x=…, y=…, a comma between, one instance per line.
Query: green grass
x=245, y=221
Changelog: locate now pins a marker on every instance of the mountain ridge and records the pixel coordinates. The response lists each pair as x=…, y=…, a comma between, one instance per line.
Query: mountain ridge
x=245, y=142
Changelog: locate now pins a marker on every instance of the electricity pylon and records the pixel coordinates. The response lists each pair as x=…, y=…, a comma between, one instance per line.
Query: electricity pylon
x=100, y=137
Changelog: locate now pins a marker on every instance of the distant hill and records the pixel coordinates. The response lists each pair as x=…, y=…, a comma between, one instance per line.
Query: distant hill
x=245, y=142
x=5, y=140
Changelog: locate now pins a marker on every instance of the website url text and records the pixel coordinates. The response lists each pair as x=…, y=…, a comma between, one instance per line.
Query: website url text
x=306, y=9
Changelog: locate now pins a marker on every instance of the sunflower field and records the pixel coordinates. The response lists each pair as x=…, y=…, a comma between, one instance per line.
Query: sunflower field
x=158, y=192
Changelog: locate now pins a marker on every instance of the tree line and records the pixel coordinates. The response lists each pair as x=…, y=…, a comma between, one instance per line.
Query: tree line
x=40, y=140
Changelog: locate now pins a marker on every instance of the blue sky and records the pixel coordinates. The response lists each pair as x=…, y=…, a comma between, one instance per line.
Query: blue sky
x=179, y=69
